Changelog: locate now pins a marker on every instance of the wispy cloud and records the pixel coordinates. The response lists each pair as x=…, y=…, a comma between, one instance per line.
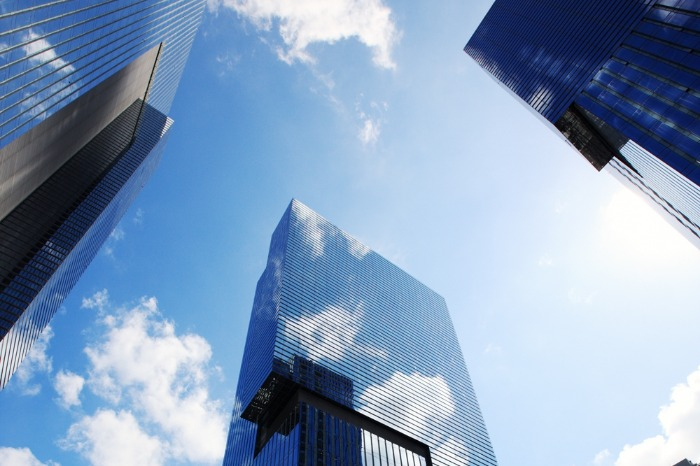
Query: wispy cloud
x=314, y=236
x=117, y=234
x=601, y=457
x=154, y=384
x=111, y=438
x=369, y=133
x=226, y=62
x=317, y=232
x=680, y=430
x=99, y=301
x=138, y=216
x=302, y=23
x=356, y=248
x=68, y=386
x=330, y=334
x=39, y=50
x=410, y=417
x=417, y=419
x=371, y=118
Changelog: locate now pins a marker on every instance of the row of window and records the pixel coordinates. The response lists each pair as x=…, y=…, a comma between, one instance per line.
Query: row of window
x=55, y=52
x=383, y=328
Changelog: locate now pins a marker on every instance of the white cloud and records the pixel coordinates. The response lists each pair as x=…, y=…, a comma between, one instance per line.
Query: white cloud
x=408, y=415
x=158, y=379
x=68, y=386
x=139, y=216
x=40, y=50
x=356, y=248
x=680, y=425
x=601, y=457
x=99, y=301
x=227, y=62
x=330, y=334
x=110, y=438
x=302, y=23
x=21, y=457
x=313, y=233
x=371, y=118
x=36, y=362
x=117, y=234
x=161, y=377
x=436, y=408
x=369, y=133
x=452, y=448
x=316, y=231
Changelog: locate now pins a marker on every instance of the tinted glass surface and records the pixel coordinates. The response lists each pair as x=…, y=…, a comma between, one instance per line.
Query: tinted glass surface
x=52, y=53
x=633, y=64
x=43, y=278
x=546, y=51
x=329, y=299
x=650, y=89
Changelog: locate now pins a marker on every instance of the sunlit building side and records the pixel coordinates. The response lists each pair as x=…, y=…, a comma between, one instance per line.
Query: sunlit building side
x=349, y=361
x=85, y=90
x=619, y=80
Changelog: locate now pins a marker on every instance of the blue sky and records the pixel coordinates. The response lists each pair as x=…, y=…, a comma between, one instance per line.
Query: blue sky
x=576, y=306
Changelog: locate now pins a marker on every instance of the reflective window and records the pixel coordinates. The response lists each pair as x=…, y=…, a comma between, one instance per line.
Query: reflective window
x=338, y=319
x=51, y=54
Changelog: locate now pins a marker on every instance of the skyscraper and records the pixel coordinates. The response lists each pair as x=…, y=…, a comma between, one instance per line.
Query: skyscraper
x=349, y=361
x=619, y=80
x=85, y=89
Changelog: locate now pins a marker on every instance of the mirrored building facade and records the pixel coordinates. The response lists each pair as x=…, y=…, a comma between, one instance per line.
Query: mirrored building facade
x=85, y=90
x=349, y=361
x=619, y=80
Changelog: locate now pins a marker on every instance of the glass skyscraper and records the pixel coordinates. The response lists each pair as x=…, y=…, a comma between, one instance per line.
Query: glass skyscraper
x=85, y=90
x=620, y=80
x=349, y=361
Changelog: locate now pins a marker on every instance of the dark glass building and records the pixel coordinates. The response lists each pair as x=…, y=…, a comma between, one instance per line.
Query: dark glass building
x=620, y=80
x=349, y=361
x=85, y=90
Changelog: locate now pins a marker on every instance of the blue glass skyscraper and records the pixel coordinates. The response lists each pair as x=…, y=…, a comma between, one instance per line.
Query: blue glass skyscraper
x=85, y=90
x=619, y=80
x=349, y=361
